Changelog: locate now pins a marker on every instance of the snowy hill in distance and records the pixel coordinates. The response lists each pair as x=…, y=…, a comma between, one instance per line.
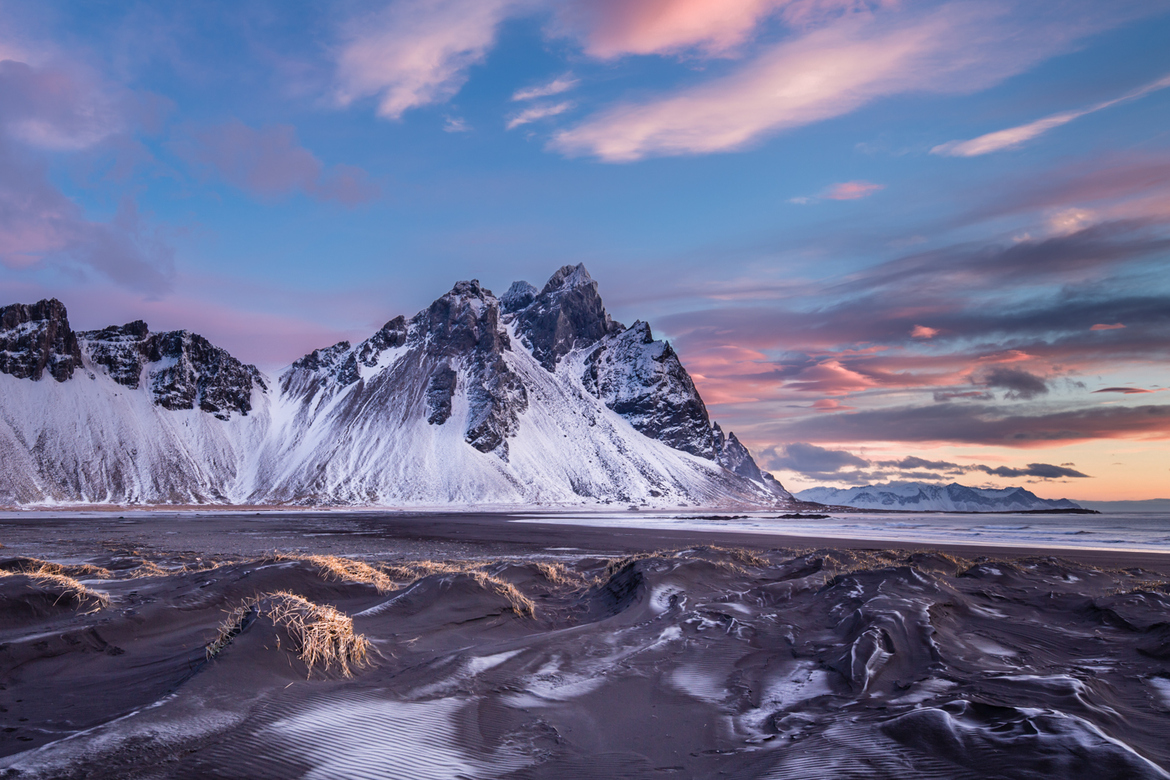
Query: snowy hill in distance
x=925, y=497
x=534, y=398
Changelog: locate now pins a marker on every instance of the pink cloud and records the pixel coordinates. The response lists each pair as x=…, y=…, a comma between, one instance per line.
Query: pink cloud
x=270, y=162
x=830, y=405
x=923, y=332
x=417, y=52
x=613, y=28
x=830, y=71
x=1102, y=326
x=852, y=190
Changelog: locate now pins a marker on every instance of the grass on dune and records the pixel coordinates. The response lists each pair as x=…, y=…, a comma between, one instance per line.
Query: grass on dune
x=51, y=576
x=349, y=570
x=321, y=635
x=389, y=577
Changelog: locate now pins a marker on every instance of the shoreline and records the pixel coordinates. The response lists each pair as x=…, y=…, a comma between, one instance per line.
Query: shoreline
x=449, y=533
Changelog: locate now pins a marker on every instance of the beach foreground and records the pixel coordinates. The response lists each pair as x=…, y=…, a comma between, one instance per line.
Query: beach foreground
x=415, y=646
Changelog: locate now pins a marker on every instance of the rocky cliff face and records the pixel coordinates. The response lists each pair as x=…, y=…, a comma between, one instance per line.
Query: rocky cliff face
x=183, y=370
x=642, y=380
x=536, y=397
x=37, y=338
x=567, y=314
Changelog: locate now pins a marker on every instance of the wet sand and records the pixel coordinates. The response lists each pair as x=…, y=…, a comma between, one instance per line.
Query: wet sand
x=646, y=653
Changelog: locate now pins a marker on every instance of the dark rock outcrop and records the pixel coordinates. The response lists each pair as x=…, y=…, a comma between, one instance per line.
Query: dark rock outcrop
x=567, y=314
x=196, y=373
x=464, y=327
x=734, y=457
x=642, y=380
x=37, y=338
x=120, y=349
x=440, y=391
x=183, y=370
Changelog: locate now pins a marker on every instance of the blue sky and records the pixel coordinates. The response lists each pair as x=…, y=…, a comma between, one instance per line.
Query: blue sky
x=874, y=230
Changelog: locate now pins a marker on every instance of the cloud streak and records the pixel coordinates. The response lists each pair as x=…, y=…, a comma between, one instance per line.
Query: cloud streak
x=982, y=424
x=1014, y=137
x=416, y=52
x=538, y=112
x=817, y=462
x=830, y=71
x=555, y=87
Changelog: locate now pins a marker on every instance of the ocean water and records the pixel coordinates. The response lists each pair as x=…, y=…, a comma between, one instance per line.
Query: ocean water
x=1122, y=531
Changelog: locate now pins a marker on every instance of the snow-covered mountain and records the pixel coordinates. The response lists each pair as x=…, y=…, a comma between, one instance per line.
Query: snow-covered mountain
x=537, y=397
x=925, y=497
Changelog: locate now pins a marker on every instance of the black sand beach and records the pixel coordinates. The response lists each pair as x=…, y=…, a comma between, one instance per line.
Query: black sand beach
x=496, y=649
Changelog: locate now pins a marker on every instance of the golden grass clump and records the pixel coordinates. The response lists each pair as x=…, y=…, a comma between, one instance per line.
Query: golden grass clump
x=50, y=576
x=521, y=604
x=389, y=577
x=30, y=565
x=152, y=569
x=557, y=574
x=349, y=570
x=321, y=635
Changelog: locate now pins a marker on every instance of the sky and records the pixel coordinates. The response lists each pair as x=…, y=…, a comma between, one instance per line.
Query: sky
x=889, y=239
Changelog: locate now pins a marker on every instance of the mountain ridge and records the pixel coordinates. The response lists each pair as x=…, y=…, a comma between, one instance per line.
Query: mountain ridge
x=537, y=397
x=930, y=497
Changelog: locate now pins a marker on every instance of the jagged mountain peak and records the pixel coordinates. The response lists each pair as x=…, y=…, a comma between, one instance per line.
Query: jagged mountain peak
x=568, y=277
x=536, y=398
x=518, y=296
x=35, y=338
x=567, y=314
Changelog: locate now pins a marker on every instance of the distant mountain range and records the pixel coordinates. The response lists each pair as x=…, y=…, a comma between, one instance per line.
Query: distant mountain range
x=534, y=398
x=925, y=497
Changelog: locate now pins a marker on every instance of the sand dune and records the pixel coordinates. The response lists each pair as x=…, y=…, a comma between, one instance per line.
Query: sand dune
x=700, y=661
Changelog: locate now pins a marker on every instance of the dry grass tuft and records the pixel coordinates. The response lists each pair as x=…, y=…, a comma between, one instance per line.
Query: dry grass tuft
x=321, y=635
x=408, y=572
x=740, y=555
x=152, y=569
x=557, y=573
x=349, y=570
x=30, y=565
x=389, y=577
x=49, y=575
x=521, y=604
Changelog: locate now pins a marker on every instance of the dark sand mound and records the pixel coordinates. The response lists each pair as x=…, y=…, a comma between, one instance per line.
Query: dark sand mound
x=703, y=662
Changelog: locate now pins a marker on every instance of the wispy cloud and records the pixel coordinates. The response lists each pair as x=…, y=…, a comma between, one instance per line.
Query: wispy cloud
x=270, y=162
x=846, y=190
x=852, y=190
x=614, y=28
x=455, y=124
x=826, y=463
x=832, y=70
x=417, y=52
x=538, y=112
x=981, y=424
x=1014, y=137
x=555, y=87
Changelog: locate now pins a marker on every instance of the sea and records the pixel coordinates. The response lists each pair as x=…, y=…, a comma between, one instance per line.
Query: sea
x=1117, y=531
